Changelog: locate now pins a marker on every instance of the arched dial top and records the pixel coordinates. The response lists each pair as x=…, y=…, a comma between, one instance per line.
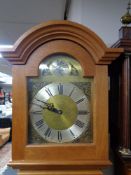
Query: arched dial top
x=59, y=65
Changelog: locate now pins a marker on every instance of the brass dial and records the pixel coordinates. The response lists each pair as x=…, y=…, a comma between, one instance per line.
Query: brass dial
x=60, y=112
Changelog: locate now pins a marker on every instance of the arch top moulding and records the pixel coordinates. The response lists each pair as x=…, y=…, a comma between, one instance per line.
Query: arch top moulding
x=60, y=30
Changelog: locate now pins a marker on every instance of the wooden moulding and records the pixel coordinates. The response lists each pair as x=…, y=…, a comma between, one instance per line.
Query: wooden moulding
x=93, y=172
x=69, y=165
x=60, y=30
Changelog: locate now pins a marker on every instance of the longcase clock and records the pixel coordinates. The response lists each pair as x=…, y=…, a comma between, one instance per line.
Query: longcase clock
x=120, y=103
x=60, y=100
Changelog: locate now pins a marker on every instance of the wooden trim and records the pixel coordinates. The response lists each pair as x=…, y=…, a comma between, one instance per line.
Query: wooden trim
x=56, y=165
x=78, y=172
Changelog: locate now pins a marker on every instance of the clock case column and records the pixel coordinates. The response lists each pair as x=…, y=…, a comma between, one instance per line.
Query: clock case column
x=120, y=104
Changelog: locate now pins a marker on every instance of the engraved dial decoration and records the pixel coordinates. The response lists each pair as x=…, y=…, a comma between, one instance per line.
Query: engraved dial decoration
x=60, y=112
x=60, y=67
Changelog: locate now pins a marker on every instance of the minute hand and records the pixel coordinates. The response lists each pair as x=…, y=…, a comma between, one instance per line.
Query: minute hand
x=50, y=107
x=47, y=104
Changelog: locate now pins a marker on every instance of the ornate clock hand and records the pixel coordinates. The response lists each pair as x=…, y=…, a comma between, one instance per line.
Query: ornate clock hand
x=56, y=111
x=49, y=106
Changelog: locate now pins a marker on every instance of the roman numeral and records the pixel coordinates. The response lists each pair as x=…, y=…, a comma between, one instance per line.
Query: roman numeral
x=39, y=123
x=48, y=92
x=48, y=132
x=79, y=123
x=72, y=133
x=80, y=100
x=60, y=89
x=59, y=136
x=83, y=112
x=71, y=92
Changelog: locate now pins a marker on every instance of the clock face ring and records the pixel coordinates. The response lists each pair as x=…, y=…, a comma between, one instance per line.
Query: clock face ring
x=59, y=112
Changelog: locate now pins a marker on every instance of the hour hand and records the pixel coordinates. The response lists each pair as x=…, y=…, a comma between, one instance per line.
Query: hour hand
x=55, y=110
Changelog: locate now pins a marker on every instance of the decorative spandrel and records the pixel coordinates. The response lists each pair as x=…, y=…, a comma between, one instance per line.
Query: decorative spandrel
x=60, y=99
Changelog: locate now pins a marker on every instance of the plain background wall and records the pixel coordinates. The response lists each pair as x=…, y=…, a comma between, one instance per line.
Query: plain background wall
x=101, y=16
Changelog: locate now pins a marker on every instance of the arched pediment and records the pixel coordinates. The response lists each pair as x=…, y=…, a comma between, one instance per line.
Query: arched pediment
x=60, y=30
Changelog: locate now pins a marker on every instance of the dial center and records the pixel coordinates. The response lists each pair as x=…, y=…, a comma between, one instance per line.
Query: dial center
x=66, y=115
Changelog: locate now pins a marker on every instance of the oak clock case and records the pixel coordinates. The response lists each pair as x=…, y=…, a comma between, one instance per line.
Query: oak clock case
x=60, y=102
x=60, y=125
